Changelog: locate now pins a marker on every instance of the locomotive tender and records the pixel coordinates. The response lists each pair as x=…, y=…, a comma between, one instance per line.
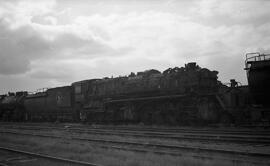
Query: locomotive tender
x=178, y=96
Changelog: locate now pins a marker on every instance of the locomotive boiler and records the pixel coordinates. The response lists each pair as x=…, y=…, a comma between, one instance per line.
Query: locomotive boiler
x=183, y=95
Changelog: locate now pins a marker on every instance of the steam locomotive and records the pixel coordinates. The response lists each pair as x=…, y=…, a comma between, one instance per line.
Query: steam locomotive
x=187, y=95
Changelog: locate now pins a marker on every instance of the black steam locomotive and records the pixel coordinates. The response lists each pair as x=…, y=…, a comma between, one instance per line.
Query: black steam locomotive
x=178, y=96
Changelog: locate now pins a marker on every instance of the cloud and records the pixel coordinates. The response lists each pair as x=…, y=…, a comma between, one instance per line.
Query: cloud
x=16, y=47
x=46, y=40
x=24, y=40
x=230, y=12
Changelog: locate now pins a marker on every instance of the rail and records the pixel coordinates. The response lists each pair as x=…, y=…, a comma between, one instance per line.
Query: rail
x=255, y=57
x=44, y=156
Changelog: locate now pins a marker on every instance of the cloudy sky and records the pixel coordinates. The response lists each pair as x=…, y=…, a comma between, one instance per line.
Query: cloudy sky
x=56, y=42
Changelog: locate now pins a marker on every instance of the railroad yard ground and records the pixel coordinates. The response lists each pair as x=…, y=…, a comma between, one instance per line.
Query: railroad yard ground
x=135, y=145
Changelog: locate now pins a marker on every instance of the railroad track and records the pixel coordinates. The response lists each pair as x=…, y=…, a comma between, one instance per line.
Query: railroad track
x=191, y=130
x=243, y=139
x=19, y=157
x=144, y=147
x=150, y=147
x=141, y=130
x=229, y=131
x=181, y=136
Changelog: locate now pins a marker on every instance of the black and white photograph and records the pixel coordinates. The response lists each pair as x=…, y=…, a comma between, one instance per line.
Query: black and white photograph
x=134, y=83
